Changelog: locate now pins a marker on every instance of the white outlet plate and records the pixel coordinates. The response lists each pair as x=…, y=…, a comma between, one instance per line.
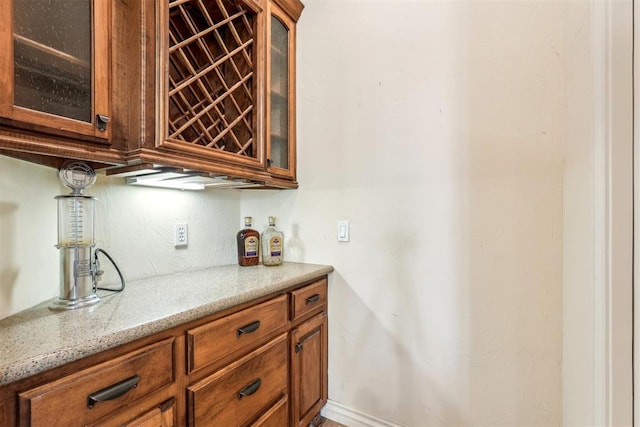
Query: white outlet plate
x=181, y=235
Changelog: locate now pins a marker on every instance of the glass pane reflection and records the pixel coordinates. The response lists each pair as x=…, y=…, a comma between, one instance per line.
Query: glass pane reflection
x=279, y=94
x=52, y=57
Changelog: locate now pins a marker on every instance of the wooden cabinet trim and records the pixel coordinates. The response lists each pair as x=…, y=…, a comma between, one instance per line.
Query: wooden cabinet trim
x=101, y=53
x=292, y=7
x=6, y=58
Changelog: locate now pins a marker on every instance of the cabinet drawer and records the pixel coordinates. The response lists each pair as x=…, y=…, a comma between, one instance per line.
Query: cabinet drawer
x=209, y=343
x=308, y=299
x=238, y=393
x=100, y=390
x=276, y=416
x=163, y=415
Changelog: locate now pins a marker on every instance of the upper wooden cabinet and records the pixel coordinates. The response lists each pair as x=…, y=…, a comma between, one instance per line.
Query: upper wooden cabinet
x=281, y=93
x=222, y=97
x=210, y=79
x=55, y=79
x=202, y=87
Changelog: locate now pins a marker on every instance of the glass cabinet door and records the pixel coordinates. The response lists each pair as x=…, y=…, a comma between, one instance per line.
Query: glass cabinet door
x=281, y=95
x=59, y=65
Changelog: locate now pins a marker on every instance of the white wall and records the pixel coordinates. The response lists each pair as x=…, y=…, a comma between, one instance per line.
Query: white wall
x=134, y=225
x=436, y=128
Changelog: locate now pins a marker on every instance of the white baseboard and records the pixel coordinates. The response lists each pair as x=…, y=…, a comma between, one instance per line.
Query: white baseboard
x=352, y=418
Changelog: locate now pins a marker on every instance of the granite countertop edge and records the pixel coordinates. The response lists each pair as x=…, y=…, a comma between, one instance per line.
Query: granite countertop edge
x=37, y=339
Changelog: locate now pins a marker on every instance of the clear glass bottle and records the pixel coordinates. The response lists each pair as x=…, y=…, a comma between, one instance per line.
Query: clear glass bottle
x=272, y=244
x=248, y=241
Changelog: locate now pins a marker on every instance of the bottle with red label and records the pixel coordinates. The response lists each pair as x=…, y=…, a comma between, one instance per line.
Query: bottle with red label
x=248, y=241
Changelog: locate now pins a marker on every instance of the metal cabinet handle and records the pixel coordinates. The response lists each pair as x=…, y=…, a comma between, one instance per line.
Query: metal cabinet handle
x=250, y=389
x=247, y=329
x=101, y=122
x=313, y=298
x=298, y=347
x=113, y=391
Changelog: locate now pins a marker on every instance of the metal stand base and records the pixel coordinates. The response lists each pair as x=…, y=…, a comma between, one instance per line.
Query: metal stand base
x=70, y=304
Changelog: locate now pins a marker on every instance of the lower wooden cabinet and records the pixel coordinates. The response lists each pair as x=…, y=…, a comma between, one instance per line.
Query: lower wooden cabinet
x=93, y=393
x=240, y=392
x=308, y=369
x=262, y=365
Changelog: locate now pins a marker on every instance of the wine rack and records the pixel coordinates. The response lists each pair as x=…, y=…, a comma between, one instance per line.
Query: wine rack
x=212, y=87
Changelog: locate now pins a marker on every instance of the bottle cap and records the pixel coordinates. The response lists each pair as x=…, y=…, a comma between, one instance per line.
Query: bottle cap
x=247, y=221
x=272, y=220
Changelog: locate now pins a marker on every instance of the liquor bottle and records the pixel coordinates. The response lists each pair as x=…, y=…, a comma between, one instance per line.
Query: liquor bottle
x=248, y=241
x=272, y=244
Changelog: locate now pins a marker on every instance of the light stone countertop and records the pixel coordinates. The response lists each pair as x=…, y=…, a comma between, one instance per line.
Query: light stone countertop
x=38, y=339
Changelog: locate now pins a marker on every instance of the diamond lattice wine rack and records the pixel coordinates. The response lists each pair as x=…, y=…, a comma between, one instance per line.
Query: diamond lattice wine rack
x=212, y=87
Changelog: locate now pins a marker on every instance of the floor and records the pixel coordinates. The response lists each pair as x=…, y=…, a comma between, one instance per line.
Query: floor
x=328, y=423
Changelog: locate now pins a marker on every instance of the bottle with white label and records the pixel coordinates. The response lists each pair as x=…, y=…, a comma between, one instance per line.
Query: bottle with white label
x=272, y=244
x=248, y=241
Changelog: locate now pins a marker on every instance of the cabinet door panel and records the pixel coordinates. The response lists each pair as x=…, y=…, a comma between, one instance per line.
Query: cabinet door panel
x=309, y=369
x=58, y=61
x=52, y=57
x=281, y=99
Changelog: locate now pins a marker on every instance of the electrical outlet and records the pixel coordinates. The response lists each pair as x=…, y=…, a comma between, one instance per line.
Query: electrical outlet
x=182, y=235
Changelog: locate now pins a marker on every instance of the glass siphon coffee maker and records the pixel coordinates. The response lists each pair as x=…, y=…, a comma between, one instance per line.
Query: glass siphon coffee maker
x=79, y=265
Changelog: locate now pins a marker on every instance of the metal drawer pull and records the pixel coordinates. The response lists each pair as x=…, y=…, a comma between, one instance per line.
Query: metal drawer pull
x=313, y=298
x=247, y=329
x=102, y=121
x=250, y=389
x=113, y=391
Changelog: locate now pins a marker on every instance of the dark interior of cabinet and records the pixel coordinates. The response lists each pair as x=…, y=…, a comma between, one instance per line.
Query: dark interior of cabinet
x=212, y=88
x=52, y=57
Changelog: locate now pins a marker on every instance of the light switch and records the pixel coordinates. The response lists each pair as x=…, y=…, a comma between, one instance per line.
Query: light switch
x=343, y=231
